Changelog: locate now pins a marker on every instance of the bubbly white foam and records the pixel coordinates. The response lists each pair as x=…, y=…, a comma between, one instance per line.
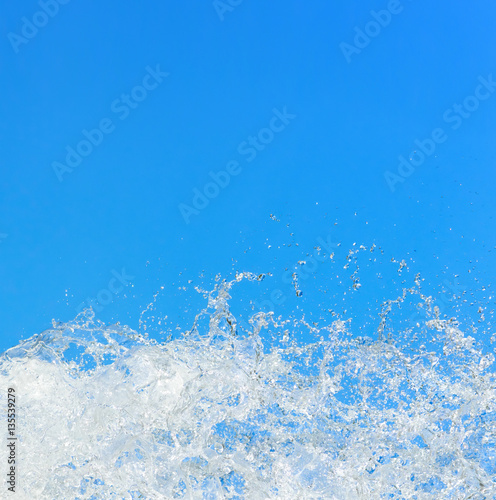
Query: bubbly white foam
x=104, y=413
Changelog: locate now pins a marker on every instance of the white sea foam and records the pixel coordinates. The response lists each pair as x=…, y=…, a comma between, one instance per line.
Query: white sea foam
x=216, y=413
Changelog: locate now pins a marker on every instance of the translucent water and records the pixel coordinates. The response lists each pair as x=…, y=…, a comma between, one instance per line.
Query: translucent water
x=220, y=412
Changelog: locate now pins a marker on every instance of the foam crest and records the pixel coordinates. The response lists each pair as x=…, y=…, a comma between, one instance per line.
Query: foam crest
x=220, y=413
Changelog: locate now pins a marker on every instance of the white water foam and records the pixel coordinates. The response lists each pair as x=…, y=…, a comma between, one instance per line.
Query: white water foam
x=105, y=413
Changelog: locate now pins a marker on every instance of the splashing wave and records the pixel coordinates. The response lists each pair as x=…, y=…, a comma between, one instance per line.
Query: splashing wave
x=217, y=413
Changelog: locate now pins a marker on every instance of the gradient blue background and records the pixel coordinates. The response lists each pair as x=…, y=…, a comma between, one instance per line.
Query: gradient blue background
x=323, y=175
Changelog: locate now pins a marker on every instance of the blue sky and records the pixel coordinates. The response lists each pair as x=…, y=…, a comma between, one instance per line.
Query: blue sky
x=174, y=95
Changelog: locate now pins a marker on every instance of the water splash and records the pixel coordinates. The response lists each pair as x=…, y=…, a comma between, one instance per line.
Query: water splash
x=220, y=412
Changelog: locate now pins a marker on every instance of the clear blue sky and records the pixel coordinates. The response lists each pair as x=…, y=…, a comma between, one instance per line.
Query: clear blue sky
x=307, y=113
